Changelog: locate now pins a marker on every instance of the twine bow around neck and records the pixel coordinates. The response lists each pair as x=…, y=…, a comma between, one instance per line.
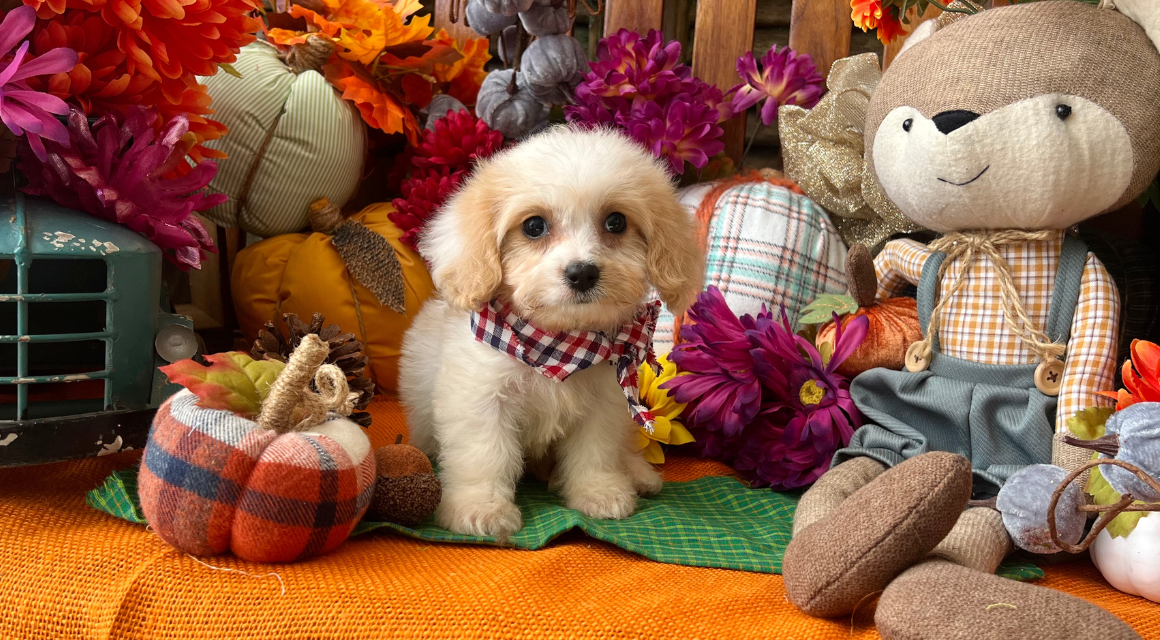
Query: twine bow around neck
x=967, y=247
x=824, y=152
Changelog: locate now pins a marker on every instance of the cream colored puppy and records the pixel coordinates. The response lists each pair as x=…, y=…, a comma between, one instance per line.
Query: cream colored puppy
x=569, y=228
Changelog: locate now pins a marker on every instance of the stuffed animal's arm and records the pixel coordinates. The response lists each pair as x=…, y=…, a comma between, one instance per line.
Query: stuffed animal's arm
x=899, y=264
x=1091, y=357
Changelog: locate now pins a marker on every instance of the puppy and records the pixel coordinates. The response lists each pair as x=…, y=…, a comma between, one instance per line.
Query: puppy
x=568, y=229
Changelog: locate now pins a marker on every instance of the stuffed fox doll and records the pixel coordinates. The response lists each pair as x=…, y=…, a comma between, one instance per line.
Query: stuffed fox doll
x=1001, y=130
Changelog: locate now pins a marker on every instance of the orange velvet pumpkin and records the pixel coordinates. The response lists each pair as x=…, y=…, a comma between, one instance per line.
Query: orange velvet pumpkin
x=893, y=328
x=303, y=273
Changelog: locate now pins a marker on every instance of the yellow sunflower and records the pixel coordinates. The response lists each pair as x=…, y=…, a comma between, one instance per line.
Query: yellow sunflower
x=667, y=429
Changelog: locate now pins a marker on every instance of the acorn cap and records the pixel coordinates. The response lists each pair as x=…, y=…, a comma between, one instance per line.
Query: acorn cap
x=398, y=460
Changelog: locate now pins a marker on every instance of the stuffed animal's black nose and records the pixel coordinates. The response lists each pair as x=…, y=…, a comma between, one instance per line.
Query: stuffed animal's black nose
x=582, y=276
x=948, y=121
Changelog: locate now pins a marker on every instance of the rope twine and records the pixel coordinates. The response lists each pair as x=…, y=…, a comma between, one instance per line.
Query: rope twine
x=309, y=55
x=292, y=405
x=968, y=246
x=324, y=216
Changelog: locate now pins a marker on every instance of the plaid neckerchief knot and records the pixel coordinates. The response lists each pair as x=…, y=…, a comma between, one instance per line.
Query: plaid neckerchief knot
x=559, y=355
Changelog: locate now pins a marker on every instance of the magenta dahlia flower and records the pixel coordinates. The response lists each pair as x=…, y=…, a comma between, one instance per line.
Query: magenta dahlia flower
x=630, y=66
x=24, y=111
x=806, y=412
x=785, y=77
x=724, y=393
x=423, y=193
x=679, y=132
x=115, y=171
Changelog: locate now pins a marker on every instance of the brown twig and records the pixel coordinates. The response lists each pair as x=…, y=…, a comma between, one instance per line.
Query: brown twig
x=1108, y=445
x=1109, y=511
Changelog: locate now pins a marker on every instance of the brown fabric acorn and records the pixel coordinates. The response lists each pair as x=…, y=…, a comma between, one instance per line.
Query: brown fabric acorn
x=346, y=352
x=407, y=490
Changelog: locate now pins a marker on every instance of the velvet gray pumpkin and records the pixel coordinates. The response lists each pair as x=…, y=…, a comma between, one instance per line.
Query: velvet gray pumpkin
x=553, y=66
x=507, y=7
x=507, y=45
x=515, y=114
x=485, y=22
x=546, y=18
x=441, y=105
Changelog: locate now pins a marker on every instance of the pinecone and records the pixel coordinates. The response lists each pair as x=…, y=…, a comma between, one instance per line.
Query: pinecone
x=346, y=351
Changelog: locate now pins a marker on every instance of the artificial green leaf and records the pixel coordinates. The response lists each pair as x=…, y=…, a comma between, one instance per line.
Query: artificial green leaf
x=809, y=332
x=1102, y=493
x=229, y=68
x=823, y=309
x=233, y=382
x=1089, y=423
x=1021, y=571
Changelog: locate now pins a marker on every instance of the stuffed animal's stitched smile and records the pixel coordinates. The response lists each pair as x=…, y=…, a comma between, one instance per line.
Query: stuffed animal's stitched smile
x=963, y=184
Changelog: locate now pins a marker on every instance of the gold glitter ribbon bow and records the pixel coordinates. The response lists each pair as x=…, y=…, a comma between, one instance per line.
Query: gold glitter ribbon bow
x=823, y=150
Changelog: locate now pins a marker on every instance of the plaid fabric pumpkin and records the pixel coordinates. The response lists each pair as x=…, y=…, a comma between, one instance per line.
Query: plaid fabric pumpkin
x=212, y=482
x=764, y=244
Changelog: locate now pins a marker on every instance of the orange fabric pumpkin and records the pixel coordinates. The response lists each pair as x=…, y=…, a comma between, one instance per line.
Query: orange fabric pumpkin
x=303, y=273
x=893, y=328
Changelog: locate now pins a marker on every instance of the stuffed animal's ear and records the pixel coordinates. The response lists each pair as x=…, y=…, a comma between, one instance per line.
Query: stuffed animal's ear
x=923, y=31
x=1145, y=13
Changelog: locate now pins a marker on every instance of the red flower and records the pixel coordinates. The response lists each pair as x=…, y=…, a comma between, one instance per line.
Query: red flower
x=458, y=140
x=423, y=193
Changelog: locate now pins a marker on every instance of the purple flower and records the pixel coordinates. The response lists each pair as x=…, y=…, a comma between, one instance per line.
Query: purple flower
x=725, y=394
x=24, y=111
x=117, y=171
x=630, y=66
x=682, y=131
x=806, y=413
x=785, y=77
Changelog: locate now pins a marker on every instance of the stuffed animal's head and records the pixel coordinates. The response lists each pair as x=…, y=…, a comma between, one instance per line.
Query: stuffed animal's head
x=1032, y=116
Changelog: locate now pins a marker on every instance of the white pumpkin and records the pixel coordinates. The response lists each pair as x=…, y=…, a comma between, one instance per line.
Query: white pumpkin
x=1131, y=563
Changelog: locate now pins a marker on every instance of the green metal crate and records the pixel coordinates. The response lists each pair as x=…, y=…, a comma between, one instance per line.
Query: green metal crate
x=81, y=309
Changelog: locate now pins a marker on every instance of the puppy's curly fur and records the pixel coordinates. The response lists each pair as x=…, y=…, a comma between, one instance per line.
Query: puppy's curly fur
x=483, y=414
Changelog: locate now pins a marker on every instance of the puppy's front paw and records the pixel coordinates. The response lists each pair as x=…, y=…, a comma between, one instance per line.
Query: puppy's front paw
x=612, y=501
x=645, y=478
x=496, y=518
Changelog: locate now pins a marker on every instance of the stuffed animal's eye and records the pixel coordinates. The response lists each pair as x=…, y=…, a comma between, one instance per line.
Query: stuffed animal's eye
x=535, y=226
x=906, y=124
x=615, y=222
x=1062, y=111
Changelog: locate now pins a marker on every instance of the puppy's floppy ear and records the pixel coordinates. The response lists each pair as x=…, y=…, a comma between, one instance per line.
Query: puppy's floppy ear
x=462, y=246
x=676, y=264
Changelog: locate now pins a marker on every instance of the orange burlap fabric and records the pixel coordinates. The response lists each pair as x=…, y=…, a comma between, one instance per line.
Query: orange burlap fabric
x=68, y=571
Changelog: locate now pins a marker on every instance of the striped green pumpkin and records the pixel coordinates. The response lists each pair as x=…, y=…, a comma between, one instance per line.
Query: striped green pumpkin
x=292, y=140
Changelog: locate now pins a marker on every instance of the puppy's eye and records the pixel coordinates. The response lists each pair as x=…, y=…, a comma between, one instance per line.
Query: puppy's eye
x=906, y=124
x=1062, y=111
x=535, y=226
x=615, y=222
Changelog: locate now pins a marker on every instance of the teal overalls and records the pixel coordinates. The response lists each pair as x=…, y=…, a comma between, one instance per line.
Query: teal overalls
x=992, y=414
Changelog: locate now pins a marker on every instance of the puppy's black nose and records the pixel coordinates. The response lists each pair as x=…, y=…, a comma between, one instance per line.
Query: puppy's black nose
x=582, y=276
x=948, y=121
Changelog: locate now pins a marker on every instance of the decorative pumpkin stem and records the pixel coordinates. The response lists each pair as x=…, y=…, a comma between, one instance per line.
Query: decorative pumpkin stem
x=1108, y=445
x=860, y=275
x=278, y=409
x=1109, y=511
x=324, y=216
x=310, y=55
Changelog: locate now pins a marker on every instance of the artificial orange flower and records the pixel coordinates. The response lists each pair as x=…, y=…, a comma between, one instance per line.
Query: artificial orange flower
x=1141, y=374
x=378, y=108
x=866, y=13
x=464, y=76
x=889, y=26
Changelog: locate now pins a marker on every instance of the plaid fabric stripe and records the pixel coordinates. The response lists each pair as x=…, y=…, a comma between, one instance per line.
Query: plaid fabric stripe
x=973, y=326
x=559, y=355
x=709, y=522
x=211, y=482
x=768, y=245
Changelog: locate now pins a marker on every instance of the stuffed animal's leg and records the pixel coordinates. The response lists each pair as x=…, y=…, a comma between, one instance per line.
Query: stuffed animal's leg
x=853, y=552
x=832, y=488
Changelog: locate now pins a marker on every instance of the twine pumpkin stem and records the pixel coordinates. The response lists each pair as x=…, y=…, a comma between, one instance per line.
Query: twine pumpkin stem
x=324, y=216
x=278, y=408
x=310, y=55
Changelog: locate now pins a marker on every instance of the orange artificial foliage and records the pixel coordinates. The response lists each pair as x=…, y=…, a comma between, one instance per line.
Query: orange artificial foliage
x=1141, y=374
x=894, y=326
x=388, y=61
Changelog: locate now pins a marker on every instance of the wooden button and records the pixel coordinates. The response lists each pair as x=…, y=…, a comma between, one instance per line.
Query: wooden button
x=1049, y=377
x=916, y=361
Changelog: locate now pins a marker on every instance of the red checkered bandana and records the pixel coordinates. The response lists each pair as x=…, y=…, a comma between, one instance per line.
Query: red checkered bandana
x=559, y=355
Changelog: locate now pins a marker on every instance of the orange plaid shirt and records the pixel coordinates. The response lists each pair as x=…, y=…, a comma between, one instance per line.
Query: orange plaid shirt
x=973, y=327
